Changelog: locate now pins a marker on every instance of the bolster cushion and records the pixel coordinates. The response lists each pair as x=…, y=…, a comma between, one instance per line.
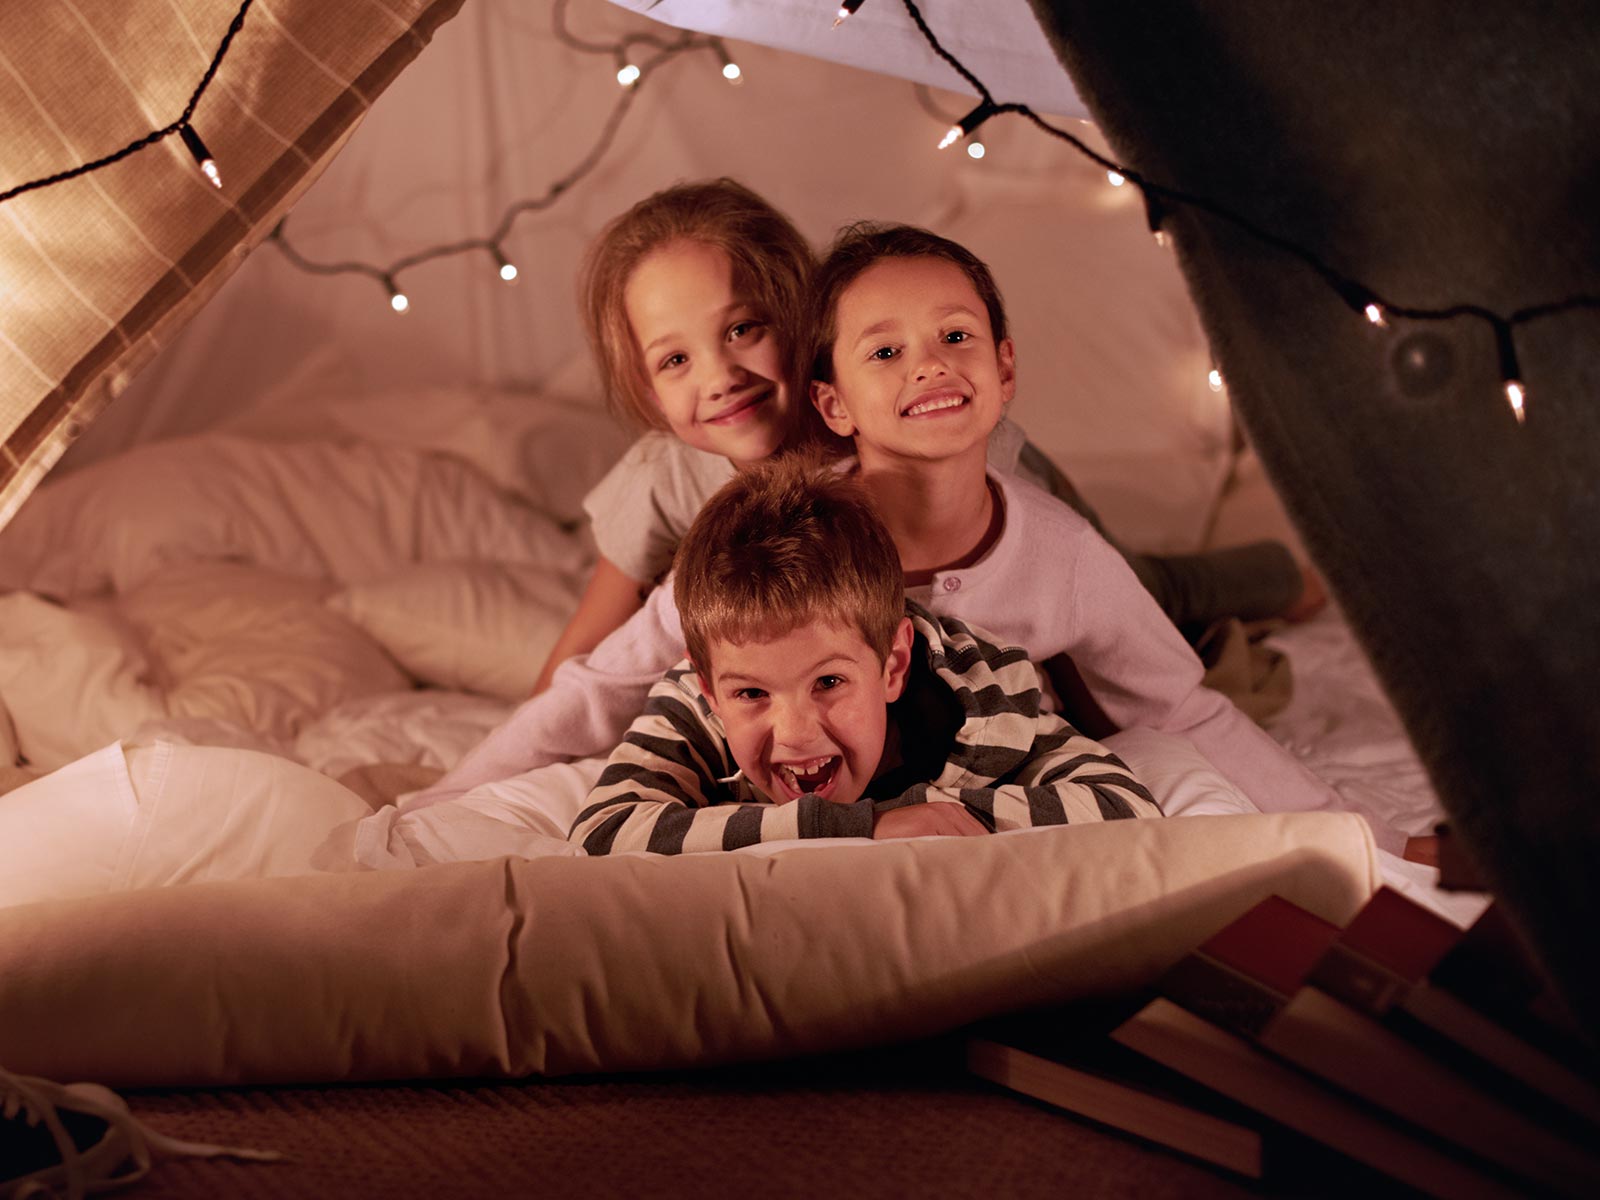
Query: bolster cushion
x=552, y=966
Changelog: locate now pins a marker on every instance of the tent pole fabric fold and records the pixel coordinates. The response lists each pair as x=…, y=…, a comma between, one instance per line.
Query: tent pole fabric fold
x=99, y=271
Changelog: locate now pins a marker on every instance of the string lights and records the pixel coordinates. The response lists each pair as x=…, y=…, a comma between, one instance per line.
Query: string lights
x=638, y=69
x=183, y=127
x=1365, y=301
x=632, y=69
x=208, y=165
x=847, y=9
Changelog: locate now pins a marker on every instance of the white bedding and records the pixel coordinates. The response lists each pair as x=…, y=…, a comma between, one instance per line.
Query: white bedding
x=341, y=603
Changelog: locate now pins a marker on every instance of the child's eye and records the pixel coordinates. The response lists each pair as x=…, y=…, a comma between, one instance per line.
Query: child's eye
x=744, y=329
x=957, y=335
x=883, y=353
x=672, y=360
x=749, y=694
x=826, y=683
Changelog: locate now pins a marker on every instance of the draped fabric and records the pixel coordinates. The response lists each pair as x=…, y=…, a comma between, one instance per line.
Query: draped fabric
x=98, y=272
x=1445, y=163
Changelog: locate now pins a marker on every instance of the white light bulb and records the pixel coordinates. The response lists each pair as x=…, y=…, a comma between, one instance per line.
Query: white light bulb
x=976, y=150
x=628, y=75
x=1214, y=378
x=508, y=271
x=1375, y=315
x=951, y=137
x=1116, y=179
x=398, y=302
x=1515, y=395
x=732, y=74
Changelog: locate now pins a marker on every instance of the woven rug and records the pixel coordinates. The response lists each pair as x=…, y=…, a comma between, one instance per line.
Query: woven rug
x=891, y=1123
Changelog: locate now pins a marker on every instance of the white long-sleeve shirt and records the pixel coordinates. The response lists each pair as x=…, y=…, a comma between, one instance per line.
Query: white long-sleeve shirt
x=1050, y=584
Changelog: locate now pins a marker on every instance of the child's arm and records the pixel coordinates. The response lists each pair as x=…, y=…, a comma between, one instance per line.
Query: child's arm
x=610, y=599
x=1066, y=779
x=668, y=789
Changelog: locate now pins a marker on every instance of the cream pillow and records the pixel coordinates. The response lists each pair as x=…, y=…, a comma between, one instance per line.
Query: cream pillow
x=253, y=648
x=72, y=679
x=476, y=627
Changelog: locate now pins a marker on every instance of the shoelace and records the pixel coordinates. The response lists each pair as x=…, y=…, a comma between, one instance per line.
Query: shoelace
x=127, y=1140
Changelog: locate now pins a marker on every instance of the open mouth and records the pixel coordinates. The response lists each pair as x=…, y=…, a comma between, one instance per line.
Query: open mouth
x=940, y=401
x=740, y=410
x=809, y=778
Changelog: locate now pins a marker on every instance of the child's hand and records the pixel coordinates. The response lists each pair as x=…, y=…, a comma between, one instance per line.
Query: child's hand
x=942, y=817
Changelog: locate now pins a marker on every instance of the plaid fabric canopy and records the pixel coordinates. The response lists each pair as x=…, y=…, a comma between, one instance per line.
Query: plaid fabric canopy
x=99, y=271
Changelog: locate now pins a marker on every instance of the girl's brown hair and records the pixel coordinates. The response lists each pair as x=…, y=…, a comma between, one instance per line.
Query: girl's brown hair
x=771, y=263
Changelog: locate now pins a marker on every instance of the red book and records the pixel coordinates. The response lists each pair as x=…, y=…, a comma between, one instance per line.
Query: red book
x=1218, y=998
x=1380, y=966
x=1246, y=972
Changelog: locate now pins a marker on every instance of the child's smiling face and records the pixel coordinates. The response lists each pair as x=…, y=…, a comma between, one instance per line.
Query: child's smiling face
x=806, y=713
x=711, y=358
x=917, y=373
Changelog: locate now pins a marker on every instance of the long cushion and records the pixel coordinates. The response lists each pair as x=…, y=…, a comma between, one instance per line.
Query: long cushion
x=552, y=966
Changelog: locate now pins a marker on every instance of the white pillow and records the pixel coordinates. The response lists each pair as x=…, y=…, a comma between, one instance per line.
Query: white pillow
x=547, y=451
x=73, y=680
x=316, y=508
x=1183, y=781
x=477, y=627
x=253, y=648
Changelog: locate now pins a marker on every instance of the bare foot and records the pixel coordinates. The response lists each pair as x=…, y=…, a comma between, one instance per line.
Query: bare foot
x=1313, y=597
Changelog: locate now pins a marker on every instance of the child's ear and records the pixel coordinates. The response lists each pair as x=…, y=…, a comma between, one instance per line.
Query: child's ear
x=1006, y=356
x=897, y=665
x=826, y=397
x=707, y=690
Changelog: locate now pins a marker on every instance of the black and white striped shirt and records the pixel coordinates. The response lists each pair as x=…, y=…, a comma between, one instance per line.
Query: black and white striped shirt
x=971, y=732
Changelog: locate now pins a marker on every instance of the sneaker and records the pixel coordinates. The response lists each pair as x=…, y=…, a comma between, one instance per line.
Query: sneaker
x=77, y=1138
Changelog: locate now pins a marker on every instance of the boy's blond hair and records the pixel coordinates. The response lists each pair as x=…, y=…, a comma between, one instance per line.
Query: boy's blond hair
x=771, y=263
x=786, y=542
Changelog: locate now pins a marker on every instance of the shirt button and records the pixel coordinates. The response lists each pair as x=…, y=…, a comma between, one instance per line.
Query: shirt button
x=952, y=583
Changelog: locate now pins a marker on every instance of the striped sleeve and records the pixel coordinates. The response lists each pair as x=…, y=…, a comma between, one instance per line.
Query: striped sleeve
x=662, y=790
x=1014, y=766
x=1068, y=779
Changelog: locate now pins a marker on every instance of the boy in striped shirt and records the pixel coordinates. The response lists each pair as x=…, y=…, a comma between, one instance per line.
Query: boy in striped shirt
x=817, y=702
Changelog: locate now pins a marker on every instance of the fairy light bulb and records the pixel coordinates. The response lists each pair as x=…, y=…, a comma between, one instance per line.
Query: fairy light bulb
x=966, y=125
x=397, y=299
x=976, y=150
x=846, y=9
x=508, y=269
x=1375, y=314
x=628, y=73
x=202, y=156
x=1214, y=379
x=1515, y=395
x=730, y=69
x=1116, y=178
x=1155, y=216
x=1511, y=371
